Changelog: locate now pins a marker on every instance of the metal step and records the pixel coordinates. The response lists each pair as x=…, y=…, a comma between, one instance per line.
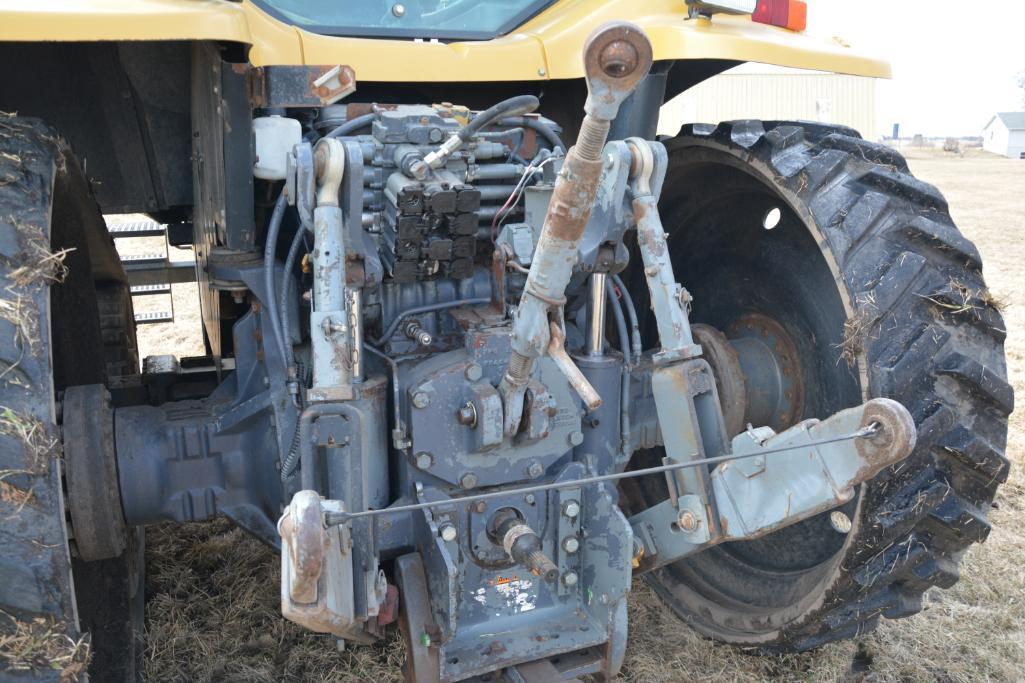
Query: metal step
x=152, y=318
x=155, y=269
x=135, y=229
x=149, y=290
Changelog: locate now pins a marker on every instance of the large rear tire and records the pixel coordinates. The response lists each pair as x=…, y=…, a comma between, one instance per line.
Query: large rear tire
x=880, y=294
x=55, y=256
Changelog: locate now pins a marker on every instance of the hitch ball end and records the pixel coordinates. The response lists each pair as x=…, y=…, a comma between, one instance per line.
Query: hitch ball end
x=616, y=57
x=894, y=433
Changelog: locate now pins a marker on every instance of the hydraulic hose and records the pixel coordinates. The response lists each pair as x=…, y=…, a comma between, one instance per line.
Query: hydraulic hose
x=624, y=383
x=285, y=292
x=514, y=106
x=273, y=230
x=542, y=128
x=631, y=312
x=352, y=125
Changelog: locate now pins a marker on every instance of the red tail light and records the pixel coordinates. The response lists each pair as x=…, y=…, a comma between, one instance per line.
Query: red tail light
x=790, y=14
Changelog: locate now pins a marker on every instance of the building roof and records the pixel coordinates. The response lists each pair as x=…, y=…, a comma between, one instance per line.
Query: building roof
x=1014, y=120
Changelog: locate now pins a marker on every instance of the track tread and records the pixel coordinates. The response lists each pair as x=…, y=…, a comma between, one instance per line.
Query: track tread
x=936, y=344
x=35, y=568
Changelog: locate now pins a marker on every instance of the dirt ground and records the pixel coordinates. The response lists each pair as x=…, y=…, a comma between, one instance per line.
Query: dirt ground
x=212, y=592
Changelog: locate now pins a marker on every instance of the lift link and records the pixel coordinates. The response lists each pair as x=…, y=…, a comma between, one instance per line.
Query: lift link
x=757, y=495
x=616, y=57
x=682, y=384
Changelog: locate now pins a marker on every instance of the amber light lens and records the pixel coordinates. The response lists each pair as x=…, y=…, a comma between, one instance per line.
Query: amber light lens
x=788, y=14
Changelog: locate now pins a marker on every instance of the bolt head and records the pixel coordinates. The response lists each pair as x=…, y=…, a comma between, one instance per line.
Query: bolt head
x=571, y=509
x=421, y=399
x=529, y=499
x=448, y=532
x=474, y=372
x=468, y=481
x=424, y=460
x=398, y=9
x=480, y=506
x=569, y=579
x=570, y=544
x=576, y=438
x=535, y=470
x=541, y=71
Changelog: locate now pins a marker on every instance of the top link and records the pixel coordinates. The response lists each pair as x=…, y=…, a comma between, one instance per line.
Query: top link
x=616, y=57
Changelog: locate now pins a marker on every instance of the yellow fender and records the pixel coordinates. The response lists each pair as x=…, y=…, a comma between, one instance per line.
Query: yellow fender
x=545, y=47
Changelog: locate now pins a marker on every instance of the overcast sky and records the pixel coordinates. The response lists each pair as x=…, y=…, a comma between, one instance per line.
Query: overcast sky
x=954, y=61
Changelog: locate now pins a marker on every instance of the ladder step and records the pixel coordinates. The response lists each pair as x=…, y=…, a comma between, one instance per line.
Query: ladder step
x=155, y=269
x=149, y=290
x=136, y=229
x=155, y=317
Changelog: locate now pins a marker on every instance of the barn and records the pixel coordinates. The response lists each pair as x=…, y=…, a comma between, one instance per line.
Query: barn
x=1005, y=134
x=774, y=93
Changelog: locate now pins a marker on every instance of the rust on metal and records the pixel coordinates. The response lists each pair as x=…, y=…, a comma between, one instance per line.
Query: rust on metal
x=573, y=198
x=617, y=54
x=297, y=86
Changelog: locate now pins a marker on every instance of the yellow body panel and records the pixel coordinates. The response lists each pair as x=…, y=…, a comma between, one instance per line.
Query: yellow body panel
x=547, y=46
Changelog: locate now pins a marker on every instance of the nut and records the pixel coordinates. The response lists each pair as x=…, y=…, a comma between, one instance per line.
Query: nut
x=448, y=532
x=569, y=579
x=421, y=399
x=687, y=521
x=467, y=415
x=535, y=470
x=468, y=481
x=424, y=460
x=570, y=544
x=571, y=509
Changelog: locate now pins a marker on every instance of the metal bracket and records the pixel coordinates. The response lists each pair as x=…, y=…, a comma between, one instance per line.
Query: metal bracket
x=757, y=495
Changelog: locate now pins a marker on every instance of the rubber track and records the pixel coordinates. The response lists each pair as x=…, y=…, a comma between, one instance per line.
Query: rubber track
x=35, y=570
x=937, y=347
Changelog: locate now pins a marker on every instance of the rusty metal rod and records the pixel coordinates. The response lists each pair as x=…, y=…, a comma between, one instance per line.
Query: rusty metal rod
x=335, y=518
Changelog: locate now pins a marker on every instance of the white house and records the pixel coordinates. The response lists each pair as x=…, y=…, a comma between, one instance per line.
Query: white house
x=1005, y=135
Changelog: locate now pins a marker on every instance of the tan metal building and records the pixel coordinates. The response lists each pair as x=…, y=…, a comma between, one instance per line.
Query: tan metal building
x=762, y=92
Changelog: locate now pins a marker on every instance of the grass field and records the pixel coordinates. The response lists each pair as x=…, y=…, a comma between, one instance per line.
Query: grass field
x=212, y=610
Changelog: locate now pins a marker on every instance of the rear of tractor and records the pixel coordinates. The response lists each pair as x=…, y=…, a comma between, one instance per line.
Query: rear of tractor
x=466, y=377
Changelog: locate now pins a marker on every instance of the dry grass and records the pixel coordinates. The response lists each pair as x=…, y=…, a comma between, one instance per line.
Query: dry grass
x=41, y=644
x=213, y=615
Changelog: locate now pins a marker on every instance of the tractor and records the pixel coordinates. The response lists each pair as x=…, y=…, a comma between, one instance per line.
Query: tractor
x=481, y=347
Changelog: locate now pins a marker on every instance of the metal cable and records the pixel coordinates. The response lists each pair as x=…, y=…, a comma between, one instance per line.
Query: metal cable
x=335, y=518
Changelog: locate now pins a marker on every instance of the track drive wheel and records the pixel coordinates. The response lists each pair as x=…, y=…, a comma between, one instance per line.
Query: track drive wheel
x=837, y=277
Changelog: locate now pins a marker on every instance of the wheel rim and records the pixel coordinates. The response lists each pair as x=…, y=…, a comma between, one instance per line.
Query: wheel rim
x=775, y=296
